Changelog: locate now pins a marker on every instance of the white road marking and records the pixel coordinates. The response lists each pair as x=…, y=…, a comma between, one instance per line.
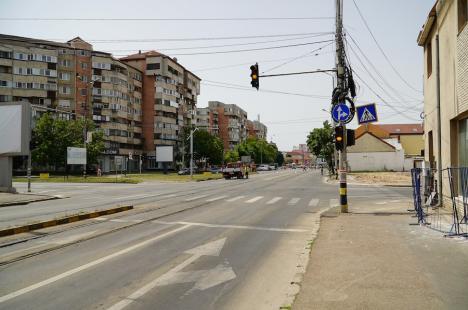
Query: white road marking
x=118, y=221
x=169, y=196
x=232, y=226
x=254, y=199
x=203, y=279
x=334, y=202
x=293, y=201
x=216, y=198
x=133, y=196
x=87, y=266
x=276, y=199
x=234, y=198
x=100, y=219
x=314, y=202
x=195, y=198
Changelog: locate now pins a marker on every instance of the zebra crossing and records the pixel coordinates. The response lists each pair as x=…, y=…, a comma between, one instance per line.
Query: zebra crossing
x=289, y=201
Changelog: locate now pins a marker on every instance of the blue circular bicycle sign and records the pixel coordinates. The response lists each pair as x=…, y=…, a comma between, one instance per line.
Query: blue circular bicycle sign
x=341, y=113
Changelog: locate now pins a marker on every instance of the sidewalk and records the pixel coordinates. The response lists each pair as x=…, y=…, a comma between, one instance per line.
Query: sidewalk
x=371, y=258
x=9, y=199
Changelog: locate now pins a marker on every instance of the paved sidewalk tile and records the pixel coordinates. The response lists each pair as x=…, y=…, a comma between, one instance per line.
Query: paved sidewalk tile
x=376, y=260
x=8, y=199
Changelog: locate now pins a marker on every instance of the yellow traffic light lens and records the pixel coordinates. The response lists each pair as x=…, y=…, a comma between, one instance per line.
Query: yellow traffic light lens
x=339, y=139
x=254, y=76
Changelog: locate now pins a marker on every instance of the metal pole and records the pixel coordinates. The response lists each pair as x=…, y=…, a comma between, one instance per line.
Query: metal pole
x=29, y=171
x=140, y=163
x=191, y=154
x=439, y=126
x=340, y=72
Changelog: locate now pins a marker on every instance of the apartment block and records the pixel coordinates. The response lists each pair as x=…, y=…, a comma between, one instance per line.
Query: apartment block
x=230, y=123
x=169, y=100
x=256, y=129
x=444, y=38
x=71, y=80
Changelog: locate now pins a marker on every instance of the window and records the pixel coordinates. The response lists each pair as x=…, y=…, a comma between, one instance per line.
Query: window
x=65, y=63
x=4, y=54
x=83, y=91
x=64, y=103
x=462, y=14
x=64, y=76
x=463, y=143
x=153, y=66
x=429, y=59
x=5, y=83
x=65, y=90
x=83, y=65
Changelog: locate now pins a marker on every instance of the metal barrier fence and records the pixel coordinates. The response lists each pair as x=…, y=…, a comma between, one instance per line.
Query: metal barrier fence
x=452, y=220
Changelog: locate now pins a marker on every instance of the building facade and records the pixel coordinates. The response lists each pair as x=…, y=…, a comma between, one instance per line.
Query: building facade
x=444, y=38
x=169, y=100
x=138, y=102
x=227, y=121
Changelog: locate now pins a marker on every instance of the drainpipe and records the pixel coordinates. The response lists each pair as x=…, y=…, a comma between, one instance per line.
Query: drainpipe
x=439, y=125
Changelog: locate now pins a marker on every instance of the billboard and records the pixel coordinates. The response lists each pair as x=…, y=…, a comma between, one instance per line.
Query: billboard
x=76, y=156
x=15, y=128
x=165, y=153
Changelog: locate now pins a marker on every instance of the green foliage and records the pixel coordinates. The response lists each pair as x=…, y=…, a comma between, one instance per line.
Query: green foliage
x=52, y=136
x=320, y=142
x=231, y=156
x=206, y=145
x=279, y=158
x=259, y=150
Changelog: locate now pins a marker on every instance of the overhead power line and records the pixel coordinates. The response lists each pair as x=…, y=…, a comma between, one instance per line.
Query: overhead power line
x=164, y=19
x=246, y=50
x=382, y=51
x=222, y=45
x=204, y=38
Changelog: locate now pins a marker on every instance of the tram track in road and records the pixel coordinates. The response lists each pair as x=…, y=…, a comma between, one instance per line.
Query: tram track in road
x=134, y=212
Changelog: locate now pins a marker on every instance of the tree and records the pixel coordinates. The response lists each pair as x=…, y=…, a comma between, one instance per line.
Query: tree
x=205, y=145
x=258, y=149
x=279, y=158
x=320, y=143
x=231, y=156
x=52, y=136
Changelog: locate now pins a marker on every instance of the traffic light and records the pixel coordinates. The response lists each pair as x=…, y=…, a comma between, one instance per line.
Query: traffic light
x=350, y=137
x=339, y=138
x=254, y=75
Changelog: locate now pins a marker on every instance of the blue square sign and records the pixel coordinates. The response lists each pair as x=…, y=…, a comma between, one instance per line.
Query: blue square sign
x=366, y=113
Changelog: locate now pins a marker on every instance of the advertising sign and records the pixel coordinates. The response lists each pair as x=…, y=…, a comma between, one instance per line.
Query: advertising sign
x=76, y=156
x=15, y=131
x=164, y=153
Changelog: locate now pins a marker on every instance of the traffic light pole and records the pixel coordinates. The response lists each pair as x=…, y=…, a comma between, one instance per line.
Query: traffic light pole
x=341, y=88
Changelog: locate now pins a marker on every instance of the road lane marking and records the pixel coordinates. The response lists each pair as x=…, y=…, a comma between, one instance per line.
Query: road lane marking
x=195, y=198
x=254, y=199
x=118, y=221
x=203, y=279
x=293, y=201
x=133, y=196
x=247, y=227
x=276, y=199
x=334, y=203
x=314, y=202
x=87, y=266
x=169, y=196
x=235, y=198
x=216, y=198
x=100, y=219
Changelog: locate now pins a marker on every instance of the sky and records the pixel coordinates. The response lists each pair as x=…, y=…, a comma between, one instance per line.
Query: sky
x=291, y=106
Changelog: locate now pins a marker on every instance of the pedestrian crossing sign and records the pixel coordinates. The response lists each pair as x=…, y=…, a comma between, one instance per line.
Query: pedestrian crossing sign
x=367, y=113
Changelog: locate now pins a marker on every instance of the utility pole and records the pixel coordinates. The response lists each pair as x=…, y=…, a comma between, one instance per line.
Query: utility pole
x=191, y=151
x=342, y=90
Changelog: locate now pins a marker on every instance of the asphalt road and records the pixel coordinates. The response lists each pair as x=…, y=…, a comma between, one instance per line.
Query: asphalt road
x=236, y=244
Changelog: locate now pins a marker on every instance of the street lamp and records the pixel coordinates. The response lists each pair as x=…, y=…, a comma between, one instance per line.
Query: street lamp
x=191, y=151
x=85, y=127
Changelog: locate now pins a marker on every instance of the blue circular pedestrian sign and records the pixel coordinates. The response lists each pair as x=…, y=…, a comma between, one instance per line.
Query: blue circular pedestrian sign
x=341, y=113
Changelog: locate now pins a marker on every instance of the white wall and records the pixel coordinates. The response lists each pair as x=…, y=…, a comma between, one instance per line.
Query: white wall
x=377, y=161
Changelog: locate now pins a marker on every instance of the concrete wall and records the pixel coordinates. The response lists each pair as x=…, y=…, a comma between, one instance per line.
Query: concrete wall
x=369, y=143
x=412, y=144
x=378, y=161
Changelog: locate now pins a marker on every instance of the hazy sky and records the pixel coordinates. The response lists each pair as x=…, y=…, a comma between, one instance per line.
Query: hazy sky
x=225, y=76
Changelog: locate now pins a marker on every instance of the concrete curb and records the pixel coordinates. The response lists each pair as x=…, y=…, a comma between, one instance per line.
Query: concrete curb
x=65, y=220
x=25, y=202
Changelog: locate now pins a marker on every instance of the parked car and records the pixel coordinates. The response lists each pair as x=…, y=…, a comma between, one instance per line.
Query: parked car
x=186, y=171
x=263, y=168
x=272, y=167
x=214, y=169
